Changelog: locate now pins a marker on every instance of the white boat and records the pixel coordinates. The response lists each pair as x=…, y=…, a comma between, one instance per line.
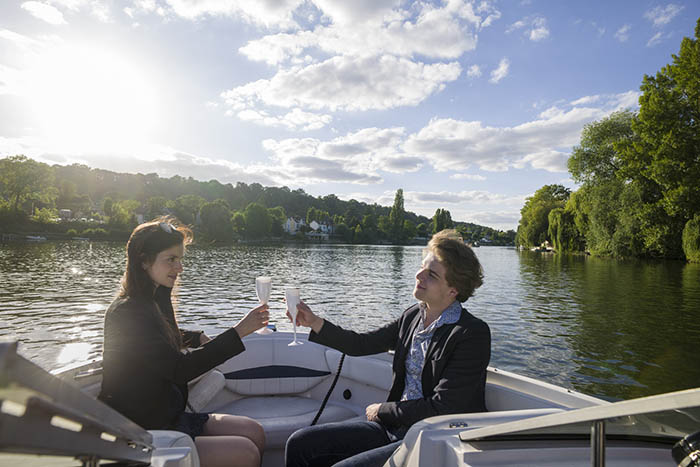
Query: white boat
x=283, y=387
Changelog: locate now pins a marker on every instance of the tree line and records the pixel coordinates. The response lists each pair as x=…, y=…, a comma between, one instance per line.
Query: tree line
x=639, y=176
x=31, y=194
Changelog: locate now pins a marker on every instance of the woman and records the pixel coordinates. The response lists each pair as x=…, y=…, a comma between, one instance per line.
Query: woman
x=146, y=364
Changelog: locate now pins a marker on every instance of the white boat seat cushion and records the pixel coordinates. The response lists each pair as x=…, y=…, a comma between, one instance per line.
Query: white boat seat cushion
x=271, y=368
x=203, y=389
x=281, y=416
x=171, y=449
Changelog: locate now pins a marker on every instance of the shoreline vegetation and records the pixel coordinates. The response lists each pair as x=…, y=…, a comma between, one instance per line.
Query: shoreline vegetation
x=76, y=201
x=638, y=175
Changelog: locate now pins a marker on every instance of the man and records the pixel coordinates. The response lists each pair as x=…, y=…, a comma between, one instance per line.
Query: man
x=440, y=360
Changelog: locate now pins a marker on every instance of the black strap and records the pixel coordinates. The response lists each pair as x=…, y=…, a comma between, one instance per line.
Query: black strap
x=330, y=390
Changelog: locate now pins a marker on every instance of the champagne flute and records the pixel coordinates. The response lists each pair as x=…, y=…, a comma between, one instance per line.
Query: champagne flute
x=291, y=295
x=263, y=285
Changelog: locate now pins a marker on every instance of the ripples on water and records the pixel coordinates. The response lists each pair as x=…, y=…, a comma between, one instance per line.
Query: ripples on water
x=616, y=329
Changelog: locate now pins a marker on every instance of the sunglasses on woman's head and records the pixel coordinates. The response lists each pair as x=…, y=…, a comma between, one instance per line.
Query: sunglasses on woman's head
x=167, y=228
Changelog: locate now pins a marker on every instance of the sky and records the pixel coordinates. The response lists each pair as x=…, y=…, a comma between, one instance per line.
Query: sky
x=469, y=106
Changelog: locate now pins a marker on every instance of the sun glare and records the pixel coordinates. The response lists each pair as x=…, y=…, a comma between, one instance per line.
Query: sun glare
x=90, y=99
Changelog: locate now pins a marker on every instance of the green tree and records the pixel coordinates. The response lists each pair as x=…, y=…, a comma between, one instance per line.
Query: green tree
x=23, y=179
x=596, y=158
x=691, y=239
x=238, y=221
x=342, y=231
x=278, y=218
x=123, y=218
x=442, y=219
x=422, y=230
x=358, y=236
x=107, y=206
x=369, y=228
x=664, y=158
x=257, y=221
x=396, y=218
x=606, y=210
x=409, y=229
x=155, y=206
x=534, y=216
x=384, y=226
x=186, y=208
x=311, y=215
x=563, y=232
x=45, y=216
x=67, y=192
x=217, y=225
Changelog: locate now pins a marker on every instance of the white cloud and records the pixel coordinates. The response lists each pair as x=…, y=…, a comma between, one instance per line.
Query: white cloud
x=297, y=119
x=475, y=178
x=357, y=11
x=474, y=71
x=347, y=83
x=623, y=34
x=539, y=30
x=44, y=12
x=501, y=72
x=661, y=16
x=448, y=197
x=449, y=144
x=515, y=26
x=585, y=100
x=600, y=30
x=534, y=28
x=270, y=13
x=96, y=8
x=657, y=39
x=444, y=31
x=356, y=157
x=20, y=54
x=503, y=220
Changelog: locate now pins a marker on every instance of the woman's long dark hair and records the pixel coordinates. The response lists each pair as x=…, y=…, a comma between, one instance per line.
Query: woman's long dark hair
x=145, y=242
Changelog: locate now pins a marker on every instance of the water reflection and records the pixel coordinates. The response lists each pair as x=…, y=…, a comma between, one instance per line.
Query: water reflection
x=622, y=328
x=616, y=329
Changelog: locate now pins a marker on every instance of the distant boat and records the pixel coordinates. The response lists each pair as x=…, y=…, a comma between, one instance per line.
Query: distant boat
x=35, y=238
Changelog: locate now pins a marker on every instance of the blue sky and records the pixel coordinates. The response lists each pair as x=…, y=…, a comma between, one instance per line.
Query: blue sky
x=467, y=106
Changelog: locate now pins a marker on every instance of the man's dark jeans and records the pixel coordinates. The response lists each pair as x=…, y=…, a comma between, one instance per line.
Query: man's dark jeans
x=340, y=444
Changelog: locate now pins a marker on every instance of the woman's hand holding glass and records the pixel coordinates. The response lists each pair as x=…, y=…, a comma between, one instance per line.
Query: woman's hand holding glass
x=263, y=286
x=254, y=320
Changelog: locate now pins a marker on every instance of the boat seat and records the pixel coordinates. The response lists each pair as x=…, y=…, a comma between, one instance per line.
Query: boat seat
x=203, y=389
x=281, y=416
x=172, y=449
x=281, y=387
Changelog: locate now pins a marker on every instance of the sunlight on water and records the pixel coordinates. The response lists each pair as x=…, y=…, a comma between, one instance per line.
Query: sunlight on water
x=73, y=353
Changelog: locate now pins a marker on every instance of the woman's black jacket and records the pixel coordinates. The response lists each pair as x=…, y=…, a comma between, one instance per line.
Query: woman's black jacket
x=144, y=376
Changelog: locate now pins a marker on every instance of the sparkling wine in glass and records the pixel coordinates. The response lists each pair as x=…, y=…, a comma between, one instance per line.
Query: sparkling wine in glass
x=291, y=295
x=263, y=285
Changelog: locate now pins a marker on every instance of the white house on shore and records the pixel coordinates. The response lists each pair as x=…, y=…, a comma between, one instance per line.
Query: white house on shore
x=315, y=229
x=321, y=228
x=292, y=225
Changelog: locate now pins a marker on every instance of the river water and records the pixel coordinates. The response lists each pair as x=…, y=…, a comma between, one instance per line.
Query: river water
x=613, y=329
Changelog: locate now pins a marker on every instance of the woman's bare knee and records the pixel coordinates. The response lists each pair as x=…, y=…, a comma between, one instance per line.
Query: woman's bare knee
x=257, y=434
x=237, y=451
x=249, y=456
x=237, y=425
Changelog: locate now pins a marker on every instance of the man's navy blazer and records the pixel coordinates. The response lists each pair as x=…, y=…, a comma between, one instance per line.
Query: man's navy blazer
x=454, y=372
